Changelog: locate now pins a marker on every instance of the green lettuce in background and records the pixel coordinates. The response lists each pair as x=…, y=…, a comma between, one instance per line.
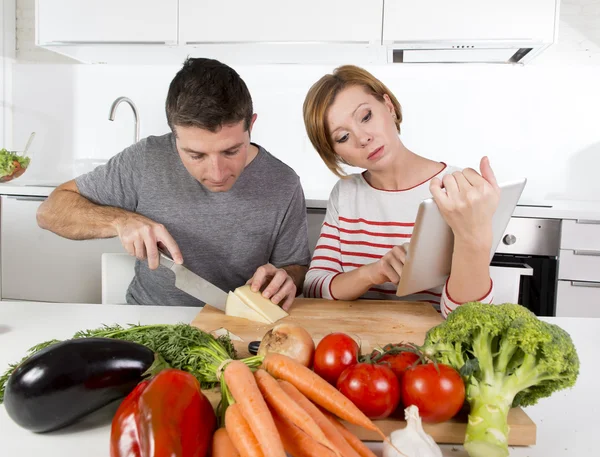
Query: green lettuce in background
x=7, y=162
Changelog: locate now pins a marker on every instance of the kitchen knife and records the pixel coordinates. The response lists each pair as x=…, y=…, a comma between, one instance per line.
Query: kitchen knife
x=195, y=285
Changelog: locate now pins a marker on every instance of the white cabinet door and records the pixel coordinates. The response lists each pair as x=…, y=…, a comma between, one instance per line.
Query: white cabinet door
x=41, y=266
x=106, y=21
x=409, y=20
x=231, y=21
x=581, y=236
x=579, y=265
x=578, y=299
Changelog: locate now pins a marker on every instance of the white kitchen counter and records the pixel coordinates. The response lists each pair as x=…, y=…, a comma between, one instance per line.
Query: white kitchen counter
x=560, y=209
x=567, y=422
x=547, y=209
x=33, y=190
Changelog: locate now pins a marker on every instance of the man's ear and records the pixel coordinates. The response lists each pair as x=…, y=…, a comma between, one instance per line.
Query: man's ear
x=252, y=121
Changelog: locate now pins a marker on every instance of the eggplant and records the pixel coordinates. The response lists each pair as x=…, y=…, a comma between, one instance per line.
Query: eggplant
x=69, y=380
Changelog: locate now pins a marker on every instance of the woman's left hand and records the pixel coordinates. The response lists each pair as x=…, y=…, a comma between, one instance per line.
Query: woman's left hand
x=469, y=203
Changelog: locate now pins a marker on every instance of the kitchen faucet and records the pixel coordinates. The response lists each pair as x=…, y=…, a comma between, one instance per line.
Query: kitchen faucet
x=113, y=109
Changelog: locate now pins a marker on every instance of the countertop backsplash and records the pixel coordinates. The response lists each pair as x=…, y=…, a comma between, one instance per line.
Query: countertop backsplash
x=531, y=121
x=536, y=122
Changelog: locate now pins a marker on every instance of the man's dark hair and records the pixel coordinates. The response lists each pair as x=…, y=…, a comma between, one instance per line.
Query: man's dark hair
x=208, y=94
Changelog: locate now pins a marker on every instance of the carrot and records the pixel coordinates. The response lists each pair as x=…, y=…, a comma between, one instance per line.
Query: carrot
x=328, y=428
x=242, y=385
x=298, y=443
x=222, y=445
x=357, y=444
x=240, y=434
x=280, y=401
x=317, y=389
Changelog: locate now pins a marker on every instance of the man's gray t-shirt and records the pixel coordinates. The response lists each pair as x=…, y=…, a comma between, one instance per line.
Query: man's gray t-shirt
x=223, y=236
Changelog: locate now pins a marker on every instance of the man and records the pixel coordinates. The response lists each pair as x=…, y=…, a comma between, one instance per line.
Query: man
x=221, y=204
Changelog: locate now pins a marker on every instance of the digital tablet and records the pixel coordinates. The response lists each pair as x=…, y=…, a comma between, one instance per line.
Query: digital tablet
x=429, y=256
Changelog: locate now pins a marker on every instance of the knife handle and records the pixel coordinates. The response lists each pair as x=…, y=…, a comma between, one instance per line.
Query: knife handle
x=165, y=261
x=253, y=347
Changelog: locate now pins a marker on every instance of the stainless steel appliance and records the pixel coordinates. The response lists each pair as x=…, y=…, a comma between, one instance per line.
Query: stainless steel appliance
x=536, y=243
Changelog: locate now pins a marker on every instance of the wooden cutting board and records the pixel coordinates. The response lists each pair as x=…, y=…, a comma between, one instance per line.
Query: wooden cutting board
x=373, y=323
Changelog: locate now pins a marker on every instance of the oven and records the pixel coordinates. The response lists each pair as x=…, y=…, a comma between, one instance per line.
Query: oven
x=534, y=243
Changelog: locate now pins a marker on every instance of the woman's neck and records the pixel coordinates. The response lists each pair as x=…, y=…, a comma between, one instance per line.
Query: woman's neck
x=408, y=170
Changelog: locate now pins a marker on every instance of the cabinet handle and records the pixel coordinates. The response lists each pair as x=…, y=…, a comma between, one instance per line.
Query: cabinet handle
x=29, y=198
x=590, y=253
x=94, y=43
x=587, y=221
x=593, y=285
x=318, y=42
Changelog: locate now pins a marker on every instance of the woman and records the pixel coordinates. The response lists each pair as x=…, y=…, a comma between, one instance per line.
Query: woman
x=352, y=118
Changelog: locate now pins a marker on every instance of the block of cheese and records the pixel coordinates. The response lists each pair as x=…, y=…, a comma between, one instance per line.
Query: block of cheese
x=237, y=308
x=224, y=332
x=258, y=308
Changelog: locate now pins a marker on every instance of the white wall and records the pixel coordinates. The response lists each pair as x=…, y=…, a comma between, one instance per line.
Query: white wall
x=541, y=121
x=7, y=58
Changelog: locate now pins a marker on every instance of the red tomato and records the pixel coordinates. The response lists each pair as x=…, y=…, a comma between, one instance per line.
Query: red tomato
x=374, y=389
x=335, y=353
x=397, y=362
x=438, y=393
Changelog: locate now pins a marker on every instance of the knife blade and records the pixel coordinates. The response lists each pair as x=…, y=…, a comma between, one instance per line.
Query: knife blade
x=193, y=284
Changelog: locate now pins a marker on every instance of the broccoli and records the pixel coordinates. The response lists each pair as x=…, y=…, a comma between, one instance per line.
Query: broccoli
x=508, y=358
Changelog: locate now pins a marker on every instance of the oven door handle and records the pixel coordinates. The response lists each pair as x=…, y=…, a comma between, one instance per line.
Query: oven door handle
x=524, y=269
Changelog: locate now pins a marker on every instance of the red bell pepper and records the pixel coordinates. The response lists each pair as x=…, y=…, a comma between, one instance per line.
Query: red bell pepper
x=168, y=416
x=125, y=433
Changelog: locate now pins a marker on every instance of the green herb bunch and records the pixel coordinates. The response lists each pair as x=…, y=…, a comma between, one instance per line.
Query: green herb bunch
x=180, y=345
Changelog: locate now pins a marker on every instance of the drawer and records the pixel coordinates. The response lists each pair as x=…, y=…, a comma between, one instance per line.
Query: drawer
x=578, y=299
x=579, y=265
x=582, y=235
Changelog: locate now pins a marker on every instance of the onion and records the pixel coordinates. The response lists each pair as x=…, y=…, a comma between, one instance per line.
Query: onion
x=291, y=340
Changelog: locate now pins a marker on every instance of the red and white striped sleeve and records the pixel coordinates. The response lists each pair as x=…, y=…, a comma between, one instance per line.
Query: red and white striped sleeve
x=447, y=304
x=326, y=262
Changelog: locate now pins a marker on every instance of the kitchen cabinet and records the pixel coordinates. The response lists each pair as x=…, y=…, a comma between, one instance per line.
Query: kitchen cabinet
x=277, y=32
x=37, y=265
x=333, y=32
x=274, y=21
x=581, y=235
x=578, y=292
x=499, y=20
x=235, y=31
x=106, y=21
x=578, y=299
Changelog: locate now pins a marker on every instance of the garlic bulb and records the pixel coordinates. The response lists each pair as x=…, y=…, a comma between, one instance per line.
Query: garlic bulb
x=411, y=440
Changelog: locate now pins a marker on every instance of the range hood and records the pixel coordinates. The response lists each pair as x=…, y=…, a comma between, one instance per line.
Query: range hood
x=481, y=52
x=464, y=31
